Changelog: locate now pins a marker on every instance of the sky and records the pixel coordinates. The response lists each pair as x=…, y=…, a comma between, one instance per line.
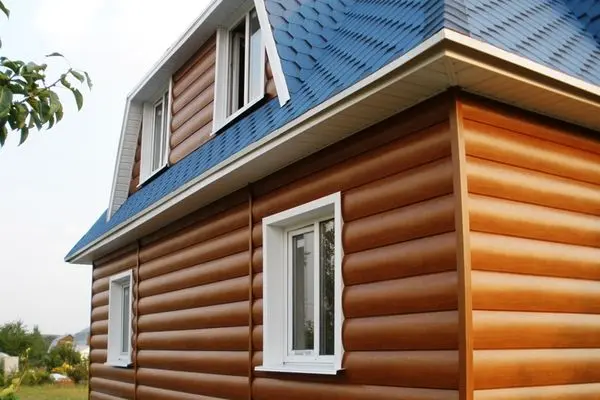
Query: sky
x=53, y=187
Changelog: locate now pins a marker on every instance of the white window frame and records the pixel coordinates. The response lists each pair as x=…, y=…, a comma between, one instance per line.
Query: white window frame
x=276, y=288
x=223, y=72
x=148, y=143
x=115, y=356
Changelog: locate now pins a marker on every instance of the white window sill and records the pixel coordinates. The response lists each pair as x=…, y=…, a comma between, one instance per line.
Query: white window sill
x=300, y=369
x=118, y=363
x=235, y=115
x=152, y=175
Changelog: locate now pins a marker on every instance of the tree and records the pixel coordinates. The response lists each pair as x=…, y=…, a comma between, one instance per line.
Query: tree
x=29, y=99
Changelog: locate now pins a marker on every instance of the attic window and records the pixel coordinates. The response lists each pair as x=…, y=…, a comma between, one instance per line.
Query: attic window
x=155, y=136
x=240, y=68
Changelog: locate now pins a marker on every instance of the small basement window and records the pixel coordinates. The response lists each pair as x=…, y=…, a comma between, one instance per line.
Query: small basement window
x=119, y=320
x=240, y=79
x=303, y=289
x=155, y=136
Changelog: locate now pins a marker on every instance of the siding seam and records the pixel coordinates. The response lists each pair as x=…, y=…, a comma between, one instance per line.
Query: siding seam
x=463, y=255
x=250, y=292
x=137, y=318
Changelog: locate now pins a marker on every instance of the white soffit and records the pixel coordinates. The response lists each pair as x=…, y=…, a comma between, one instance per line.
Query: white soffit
x=431, y=68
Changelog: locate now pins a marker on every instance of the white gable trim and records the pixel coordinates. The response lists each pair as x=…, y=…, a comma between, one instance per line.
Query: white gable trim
x=207, y=23
x=274, y=61
x=132, y=121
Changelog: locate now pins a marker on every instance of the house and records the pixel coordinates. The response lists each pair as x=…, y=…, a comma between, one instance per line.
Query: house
x=357, y=199
x=8, y=364
x=61, y=340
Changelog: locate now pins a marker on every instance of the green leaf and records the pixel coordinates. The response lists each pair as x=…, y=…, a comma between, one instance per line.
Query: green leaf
x=59, y=113
x=3, y=134
x=78, y=98
x=89, y=80
x=50, y=122
x=77, y=75
x=35, y=118
x=24, y=134
x=55, y=54
x=54, y=101
x=6, y=97
x=4, y=9
x=64, y=81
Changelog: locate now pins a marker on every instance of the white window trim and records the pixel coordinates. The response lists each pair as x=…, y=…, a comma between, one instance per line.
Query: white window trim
x=275, y=305
x=222, y=73
x=146, y=171
x=115, y=322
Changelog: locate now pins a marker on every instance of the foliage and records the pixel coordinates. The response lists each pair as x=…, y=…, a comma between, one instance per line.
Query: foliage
x=29, y=99
x=62, y=354
x=15, y=339
x=80, y=372
x=36, y=376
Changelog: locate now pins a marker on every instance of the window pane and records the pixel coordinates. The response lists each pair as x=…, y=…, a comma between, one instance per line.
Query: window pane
x=303, y=272
x=157, y=136
x=327, y=295
x=125, y=320
x=255, y=59
x=237, y=47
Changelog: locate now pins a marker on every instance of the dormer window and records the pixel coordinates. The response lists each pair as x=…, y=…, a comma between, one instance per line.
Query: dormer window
x=240, y=79
x=155, y=136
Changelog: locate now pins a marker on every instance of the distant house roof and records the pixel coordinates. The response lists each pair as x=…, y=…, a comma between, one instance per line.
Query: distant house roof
x=59, y=340
x=326, y=46
x=3, y=355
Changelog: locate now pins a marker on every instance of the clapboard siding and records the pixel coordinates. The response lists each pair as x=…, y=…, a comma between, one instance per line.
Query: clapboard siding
x=199, y=326
x=534, y=209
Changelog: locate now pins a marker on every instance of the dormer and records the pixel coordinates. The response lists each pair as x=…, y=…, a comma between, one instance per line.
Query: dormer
x=224, y=67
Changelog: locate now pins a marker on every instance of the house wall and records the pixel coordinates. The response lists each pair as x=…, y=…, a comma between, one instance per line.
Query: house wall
x=199, y=310
x=534, y=211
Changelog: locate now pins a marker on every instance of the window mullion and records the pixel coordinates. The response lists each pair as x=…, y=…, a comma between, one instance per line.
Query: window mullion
x=317, y=291
x=247, y=60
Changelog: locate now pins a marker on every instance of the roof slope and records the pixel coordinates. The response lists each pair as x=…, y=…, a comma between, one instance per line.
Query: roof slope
x=328, y=45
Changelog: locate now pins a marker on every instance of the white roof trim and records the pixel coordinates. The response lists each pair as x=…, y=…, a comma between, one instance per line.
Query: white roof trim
x=521, y=61
x=153, y=82
x=274, y=61
x=315, y=116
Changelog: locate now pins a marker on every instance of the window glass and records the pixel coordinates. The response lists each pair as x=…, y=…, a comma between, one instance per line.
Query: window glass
x=237, y=67
x=327, y=287
x=303, y=272
x=157, y=147
x=125, y=315
x=255, y=59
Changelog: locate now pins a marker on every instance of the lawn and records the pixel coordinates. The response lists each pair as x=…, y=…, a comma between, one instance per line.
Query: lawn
x=53, y=392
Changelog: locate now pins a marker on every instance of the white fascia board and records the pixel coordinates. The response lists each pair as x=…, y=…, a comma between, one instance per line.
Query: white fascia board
x=283, y=93
x=515, y=59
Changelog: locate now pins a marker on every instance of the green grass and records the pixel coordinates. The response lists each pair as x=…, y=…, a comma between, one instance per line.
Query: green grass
x=53, y=392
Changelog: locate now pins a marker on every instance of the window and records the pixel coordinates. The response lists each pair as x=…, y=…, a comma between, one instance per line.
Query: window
x=302, y=289
x=240, y=79
x=155, y=136
x=119, y=320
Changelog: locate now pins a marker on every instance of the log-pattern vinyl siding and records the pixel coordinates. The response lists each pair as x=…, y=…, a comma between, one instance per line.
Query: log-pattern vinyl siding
x=107, y=381
x=135, y=173
x=534, y=208
x=192, y=105
x=400, y=299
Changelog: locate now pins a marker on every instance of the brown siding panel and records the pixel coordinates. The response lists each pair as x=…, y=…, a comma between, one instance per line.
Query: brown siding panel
x=535, y=234
x=399, y=270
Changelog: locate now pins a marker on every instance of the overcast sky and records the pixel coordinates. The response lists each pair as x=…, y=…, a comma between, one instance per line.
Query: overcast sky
x=56, y=185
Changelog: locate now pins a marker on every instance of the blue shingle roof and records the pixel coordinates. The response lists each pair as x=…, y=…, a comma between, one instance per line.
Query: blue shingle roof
x=328, y=45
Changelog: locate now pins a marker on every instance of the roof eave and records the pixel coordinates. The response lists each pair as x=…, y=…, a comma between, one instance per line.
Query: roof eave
x=436, y=64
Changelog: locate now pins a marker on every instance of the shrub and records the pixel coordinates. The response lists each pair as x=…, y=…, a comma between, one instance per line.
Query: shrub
x=79, y=373
x=36, y=376
x=62, y=354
